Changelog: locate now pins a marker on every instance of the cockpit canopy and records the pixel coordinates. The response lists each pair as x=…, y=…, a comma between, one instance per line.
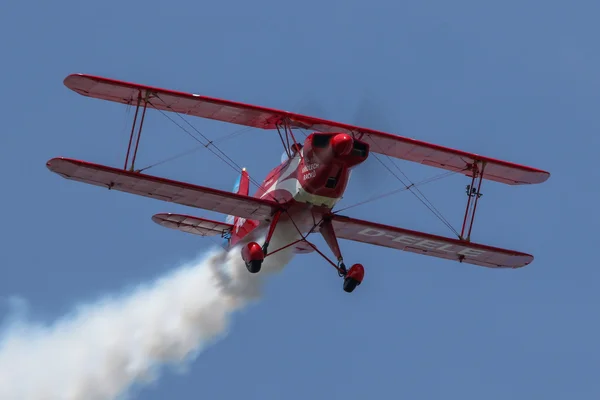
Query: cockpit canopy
x=294, y=151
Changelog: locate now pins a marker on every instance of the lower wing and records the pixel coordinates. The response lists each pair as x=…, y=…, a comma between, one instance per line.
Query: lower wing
x=194, y=225
x=427, y=244
x=164, y=189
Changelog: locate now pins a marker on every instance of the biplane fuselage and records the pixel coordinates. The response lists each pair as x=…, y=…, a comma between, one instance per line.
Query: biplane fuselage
x=313, y=177
x=302, y=191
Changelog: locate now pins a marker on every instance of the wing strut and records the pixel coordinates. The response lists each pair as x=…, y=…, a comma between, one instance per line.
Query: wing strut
x=139, y=132
x=284, y=125
x=475, y=194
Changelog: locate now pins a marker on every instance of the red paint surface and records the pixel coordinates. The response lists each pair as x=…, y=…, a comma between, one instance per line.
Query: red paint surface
x=357, y=272
x=252, y=252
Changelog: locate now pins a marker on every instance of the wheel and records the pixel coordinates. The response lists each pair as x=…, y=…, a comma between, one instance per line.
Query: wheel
x=254, y=266
x=350, y=284
x=353, y=278
x=253, y=256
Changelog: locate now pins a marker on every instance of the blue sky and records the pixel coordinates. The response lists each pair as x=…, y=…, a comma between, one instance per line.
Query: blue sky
x=513, y=80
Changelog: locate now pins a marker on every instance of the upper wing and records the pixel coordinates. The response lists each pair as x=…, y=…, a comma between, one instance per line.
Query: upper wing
x=267, y=118
x=442, y=157
x=189, y=224
x=164, y=189
x=424, y=243
x=170, y=100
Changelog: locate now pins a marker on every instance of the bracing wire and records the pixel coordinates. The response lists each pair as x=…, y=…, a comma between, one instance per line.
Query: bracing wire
x=193, y=150
x=392, y=192
x=232, y=164
x=422, y=198
x=224, y=157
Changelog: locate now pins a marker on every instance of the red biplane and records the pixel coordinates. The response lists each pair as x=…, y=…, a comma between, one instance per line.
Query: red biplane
x=302, y=190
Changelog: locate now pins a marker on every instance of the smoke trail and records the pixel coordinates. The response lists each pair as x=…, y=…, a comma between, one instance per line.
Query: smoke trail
x=102, y=350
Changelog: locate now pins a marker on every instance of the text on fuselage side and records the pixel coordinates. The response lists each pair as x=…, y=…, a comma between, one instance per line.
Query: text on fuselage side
x=426, y=244
x=309, y=175
x=310, y=167
x=309, y=170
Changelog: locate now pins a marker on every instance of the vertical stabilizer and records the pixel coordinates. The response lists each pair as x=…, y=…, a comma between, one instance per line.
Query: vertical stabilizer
x=242, y=186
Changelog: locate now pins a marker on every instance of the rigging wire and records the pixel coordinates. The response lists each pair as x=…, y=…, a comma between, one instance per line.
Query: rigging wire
x=409, y=187
x=232, y=134
x=193, y=150
x=231, y=163
x=424, y=199
x=172, y=158
x=225, y=158
x=387, y=194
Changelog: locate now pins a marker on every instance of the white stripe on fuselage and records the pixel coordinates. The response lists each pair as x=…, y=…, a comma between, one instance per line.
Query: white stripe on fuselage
x=293, y=186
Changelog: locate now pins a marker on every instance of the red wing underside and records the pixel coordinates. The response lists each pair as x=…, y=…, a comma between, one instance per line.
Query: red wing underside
x=426, y=244
x=266, y=118
x=163, y=189
x=194, y=225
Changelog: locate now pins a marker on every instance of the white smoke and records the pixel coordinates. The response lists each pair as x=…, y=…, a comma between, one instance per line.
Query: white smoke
x=104, y=349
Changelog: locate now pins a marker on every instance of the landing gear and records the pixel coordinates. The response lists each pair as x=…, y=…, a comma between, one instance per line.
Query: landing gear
x=353, y=276
x=254, y=254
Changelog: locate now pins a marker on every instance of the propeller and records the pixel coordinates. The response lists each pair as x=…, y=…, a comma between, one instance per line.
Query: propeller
x=312, y=107
x=367, y=114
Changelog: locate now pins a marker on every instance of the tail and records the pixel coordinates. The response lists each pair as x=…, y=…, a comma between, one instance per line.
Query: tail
x=242, y=186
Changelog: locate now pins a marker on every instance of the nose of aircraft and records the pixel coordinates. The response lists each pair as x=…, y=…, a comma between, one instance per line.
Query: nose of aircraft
x=342, y=144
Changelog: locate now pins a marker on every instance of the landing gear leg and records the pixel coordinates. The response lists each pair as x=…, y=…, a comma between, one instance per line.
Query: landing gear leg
x=342, y=270
x=254, y=254
x=272, y=227
x=353, y=276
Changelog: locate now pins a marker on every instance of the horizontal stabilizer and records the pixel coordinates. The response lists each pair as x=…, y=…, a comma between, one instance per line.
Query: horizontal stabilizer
x=427, y=244
x=194, y=225
x=164, y=189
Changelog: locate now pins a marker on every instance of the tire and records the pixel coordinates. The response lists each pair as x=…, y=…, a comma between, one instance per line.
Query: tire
x=254, y=266
x=350, y=284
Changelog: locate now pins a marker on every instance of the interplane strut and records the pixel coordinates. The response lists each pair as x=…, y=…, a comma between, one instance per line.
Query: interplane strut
x=473, y=194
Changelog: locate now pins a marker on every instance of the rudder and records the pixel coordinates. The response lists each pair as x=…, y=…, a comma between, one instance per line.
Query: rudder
x=241, y=186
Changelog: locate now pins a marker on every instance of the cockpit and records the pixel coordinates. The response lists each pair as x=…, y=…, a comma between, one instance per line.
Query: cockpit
x=294, y=151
